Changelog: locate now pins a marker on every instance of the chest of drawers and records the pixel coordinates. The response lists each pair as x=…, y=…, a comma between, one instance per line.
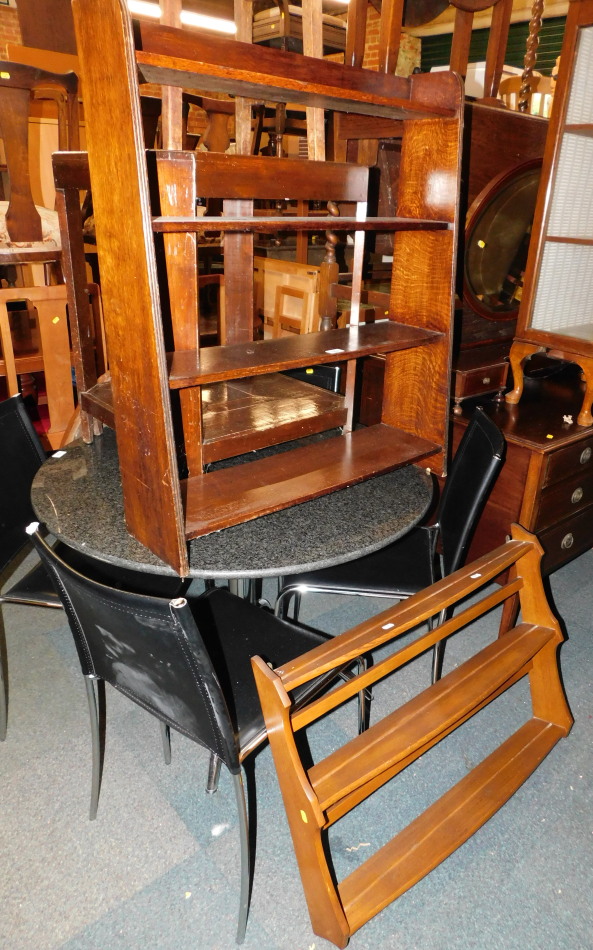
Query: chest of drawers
x=546, y=482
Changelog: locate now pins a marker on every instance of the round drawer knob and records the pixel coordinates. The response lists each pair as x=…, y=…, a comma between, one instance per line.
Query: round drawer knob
x=567, y=542
x=576, y=496
x=486, y=380
x=585, y=456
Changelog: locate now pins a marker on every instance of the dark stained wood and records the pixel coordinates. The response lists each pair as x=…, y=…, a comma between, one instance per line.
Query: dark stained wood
x=270, y=484
x=250, y=413
x=47, y=24
x=190, y=60
x=153, y=506
x=245, y=414
x=315, y=796
x=546, y=481
x=247, y=225
x=260, y=176
x=265, y=356
x=123, y=179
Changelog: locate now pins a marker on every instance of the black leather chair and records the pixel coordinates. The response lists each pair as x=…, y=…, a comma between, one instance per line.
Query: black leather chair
x=21, y=454
x=186, y=662
x=411, y=564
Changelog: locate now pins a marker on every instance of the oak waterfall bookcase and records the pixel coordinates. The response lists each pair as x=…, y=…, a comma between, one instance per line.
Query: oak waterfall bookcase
x=163, y=386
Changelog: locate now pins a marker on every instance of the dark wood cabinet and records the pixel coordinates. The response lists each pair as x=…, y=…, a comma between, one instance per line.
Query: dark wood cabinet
x=546, y=482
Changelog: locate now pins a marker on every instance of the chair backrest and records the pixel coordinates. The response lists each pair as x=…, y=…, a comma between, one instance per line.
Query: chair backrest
x=280, y=23
x=18, y=85
x=473, y=471
x=539, y=94
x=21, y=454
x=148, y=648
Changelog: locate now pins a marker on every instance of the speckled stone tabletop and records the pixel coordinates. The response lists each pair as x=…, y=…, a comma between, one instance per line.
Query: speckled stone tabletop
x=77, y=495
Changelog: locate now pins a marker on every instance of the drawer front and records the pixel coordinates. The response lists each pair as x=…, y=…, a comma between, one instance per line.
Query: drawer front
x=564, y=499
x=577, y=457
x=485, y=379
x=564, y=541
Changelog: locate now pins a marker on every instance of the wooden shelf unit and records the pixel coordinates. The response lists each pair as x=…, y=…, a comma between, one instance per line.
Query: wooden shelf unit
x=556, y=314
x=318, y=794
x=173, y=402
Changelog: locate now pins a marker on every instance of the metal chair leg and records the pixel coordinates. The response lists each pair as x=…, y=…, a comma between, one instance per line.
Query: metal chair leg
x=3, y=680
x=438, y=653
x=213, y=773
x=3, y=701
x=364, y=700
x=245, y=856
x=166, y=737
x=283, y=603
x=97, y=757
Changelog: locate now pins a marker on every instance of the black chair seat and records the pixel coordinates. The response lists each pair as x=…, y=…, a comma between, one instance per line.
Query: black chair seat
x=400, y=569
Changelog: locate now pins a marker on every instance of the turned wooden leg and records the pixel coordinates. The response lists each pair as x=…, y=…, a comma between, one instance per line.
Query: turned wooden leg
x=519, y=352
x=585, y=418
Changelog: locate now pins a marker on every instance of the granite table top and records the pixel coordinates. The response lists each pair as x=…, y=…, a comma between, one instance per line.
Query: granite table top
x=77, y=495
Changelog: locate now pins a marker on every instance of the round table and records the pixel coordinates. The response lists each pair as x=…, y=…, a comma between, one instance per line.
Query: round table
x=77, y=495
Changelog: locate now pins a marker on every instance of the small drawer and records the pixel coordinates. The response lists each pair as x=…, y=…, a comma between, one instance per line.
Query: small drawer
x=564, y=499
x=577, y=457
x=567, y=539
x=482, y=379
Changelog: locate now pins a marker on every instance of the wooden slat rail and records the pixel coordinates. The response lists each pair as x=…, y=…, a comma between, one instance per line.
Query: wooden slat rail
x=269, y=225
x=316, y=796
x=215, y=64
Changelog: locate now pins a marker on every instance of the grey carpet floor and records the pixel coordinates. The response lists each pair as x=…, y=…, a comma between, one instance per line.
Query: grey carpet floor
x=158, y=869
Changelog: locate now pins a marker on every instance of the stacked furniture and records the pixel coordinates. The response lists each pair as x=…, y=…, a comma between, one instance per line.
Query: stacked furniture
x=33, y=320
x=158, y=372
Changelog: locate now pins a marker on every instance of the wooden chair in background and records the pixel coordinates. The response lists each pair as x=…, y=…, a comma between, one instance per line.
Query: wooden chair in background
x=317, y=795
x=29, y=235
x=539, y=96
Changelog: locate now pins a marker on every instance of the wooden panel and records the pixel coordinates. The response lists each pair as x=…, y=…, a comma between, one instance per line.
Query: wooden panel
x=572, y=458
x=567, y=539
x=260, y=176
x=564, y=499
x=265, y=356
x=246, y=414
x=270, y=484
x=129, y=286
x=47, y=24
x=268, y=225
x=189, y=59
